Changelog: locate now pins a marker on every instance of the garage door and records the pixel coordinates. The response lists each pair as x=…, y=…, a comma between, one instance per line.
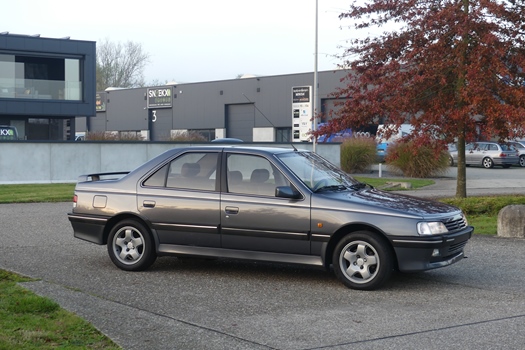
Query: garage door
x=240, y=120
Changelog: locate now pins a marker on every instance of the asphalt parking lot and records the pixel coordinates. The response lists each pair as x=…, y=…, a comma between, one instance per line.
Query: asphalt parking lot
x=478, y=303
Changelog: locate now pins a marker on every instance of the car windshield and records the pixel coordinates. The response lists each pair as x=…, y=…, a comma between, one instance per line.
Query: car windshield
x=317, y=173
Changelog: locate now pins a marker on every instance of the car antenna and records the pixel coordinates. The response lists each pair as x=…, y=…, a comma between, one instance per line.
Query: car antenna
x=295, y=149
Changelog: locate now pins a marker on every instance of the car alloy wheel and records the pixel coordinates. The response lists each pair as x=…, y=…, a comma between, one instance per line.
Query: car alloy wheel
x=362, y=260
x=522, y=160
x=488, y=163
x=130, y=246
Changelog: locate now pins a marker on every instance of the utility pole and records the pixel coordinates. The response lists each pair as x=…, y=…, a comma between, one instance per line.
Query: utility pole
x=316, y=92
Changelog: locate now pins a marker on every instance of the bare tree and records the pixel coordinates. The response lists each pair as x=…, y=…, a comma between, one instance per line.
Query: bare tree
x=120, y=64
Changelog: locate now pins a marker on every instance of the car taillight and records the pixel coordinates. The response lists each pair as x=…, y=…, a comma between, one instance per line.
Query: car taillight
x=75, y=200
x=502, y=155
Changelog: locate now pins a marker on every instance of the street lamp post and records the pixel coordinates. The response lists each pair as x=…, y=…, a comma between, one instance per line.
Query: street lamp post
x=316, y=92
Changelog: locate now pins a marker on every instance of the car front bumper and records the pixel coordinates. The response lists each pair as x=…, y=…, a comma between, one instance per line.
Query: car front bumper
x=426, y=253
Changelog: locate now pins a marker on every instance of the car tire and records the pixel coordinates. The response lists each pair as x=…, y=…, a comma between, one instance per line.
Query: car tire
x=450, y=161
x=130, y=246
x=363, y=260
x=522, y=160
x=487, y=163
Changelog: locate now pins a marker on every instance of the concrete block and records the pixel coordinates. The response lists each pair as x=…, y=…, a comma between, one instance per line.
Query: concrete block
x=511, y=221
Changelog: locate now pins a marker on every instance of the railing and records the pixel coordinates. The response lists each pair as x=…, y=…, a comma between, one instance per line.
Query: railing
x=40, y=89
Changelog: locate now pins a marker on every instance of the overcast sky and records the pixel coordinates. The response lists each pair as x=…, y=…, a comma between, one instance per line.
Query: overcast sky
x=197, y=40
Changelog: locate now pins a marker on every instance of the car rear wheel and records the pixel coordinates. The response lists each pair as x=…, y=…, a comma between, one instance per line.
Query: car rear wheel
x=487, y=163
x=522, y=160
x=362, y=260
x=450, y=161
x=130, y=246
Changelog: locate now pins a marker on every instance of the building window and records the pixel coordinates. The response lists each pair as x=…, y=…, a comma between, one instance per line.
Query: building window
x=33, y=77
x=283, y=134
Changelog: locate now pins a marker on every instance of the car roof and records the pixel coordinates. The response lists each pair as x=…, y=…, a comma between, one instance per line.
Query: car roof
x=145, y=167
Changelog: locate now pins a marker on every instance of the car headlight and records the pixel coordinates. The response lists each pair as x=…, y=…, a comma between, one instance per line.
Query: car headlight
x=465, y=219
x=431, y=228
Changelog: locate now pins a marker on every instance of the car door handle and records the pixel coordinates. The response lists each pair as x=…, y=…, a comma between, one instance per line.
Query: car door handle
x=231, y=210
x=149, y=204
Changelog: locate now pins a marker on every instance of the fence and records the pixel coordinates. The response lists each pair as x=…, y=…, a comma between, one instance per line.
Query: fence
x=61, y=162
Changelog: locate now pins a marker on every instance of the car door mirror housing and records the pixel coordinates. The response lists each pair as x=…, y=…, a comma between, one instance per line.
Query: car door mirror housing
x=287, y=192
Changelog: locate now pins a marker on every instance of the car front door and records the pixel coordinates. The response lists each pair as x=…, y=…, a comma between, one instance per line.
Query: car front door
x=252, y=217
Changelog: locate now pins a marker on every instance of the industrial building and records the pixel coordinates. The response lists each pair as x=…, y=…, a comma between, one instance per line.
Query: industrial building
x=47, y=92
x=251, y=108
x=45, y=84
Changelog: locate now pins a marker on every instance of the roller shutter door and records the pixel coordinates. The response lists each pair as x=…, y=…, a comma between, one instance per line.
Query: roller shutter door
x=240, y=120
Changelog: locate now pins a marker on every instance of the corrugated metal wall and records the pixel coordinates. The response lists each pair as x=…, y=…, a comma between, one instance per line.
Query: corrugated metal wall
x=205, y=105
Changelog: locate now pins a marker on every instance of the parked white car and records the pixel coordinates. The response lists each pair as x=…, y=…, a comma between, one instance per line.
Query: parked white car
x=487, y=154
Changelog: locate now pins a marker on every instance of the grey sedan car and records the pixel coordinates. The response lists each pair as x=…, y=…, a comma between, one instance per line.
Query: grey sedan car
x=487, y=154
x=265, y=204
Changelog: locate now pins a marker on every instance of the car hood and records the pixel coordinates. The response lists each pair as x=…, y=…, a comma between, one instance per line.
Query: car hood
x=388, y=202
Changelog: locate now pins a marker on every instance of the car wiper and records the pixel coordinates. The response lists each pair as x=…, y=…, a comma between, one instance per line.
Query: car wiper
x=331, y=188
x=359, y=186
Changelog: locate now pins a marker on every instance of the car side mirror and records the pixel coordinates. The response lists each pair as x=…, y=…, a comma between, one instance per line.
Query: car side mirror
x=287, y=192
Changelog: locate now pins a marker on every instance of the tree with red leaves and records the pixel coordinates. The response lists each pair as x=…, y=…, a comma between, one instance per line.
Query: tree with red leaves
x=455, y=70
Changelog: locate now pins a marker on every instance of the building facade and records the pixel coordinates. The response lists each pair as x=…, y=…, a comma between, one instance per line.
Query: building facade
x=45, y=84
x=254, y=109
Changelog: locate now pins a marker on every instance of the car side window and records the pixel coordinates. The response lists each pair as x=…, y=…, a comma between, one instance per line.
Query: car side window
x=254, y=175
x=196, y=171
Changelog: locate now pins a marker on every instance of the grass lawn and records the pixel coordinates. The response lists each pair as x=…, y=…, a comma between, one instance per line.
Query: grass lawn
x=28, y=321
x=36, y=193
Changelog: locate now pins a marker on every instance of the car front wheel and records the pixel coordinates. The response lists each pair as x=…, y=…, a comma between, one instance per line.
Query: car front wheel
x=362, y=260
x=130, y=246
x=488, y=163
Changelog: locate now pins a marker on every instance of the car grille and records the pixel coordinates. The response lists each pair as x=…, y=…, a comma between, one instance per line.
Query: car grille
x=454, y=248
x=456, y=223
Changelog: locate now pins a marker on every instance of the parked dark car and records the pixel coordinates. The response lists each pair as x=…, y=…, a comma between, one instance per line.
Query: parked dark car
x=520, y=147
x=266, y=204
x=487, y=154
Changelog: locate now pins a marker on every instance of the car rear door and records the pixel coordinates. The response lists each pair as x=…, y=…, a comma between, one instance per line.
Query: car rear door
x=181, y=200
x=252, y=217
x=474, y=154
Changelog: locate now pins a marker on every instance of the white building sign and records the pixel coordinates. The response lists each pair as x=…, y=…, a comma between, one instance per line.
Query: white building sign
x=301, y=113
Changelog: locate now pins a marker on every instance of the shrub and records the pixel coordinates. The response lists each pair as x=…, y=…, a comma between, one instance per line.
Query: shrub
x=357, y=154
x=113, y=136
x=185, y=136
x=411, y=160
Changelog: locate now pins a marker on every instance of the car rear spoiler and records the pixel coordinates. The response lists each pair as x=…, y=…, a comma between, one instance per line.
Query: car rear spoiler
x=102, y=176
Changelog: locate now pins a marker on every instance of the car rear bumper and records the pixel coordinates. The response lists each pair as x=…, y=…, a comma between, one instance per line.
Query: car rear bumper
x=507, y=161
x=430, y=252
x=88, y=228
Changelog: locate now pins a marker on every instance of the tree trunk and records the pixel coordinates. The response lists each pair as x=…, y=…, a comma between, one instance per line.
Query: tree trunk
x=461, y=186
